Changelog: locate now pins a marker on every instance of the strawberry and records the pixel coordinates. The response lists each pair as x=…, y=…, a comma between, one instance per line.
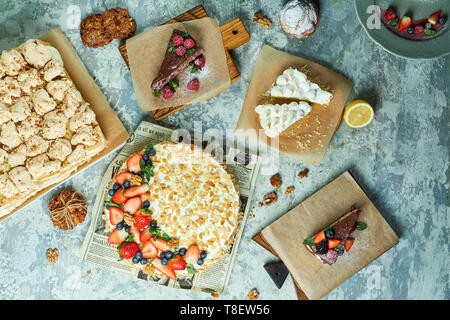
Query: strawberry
x=177, y=263
x=118, y=197
x=419, y=29
x=434, y=18
x=132, y=205
x=404, y=24
x=200, y=61
x=192, y=254
x=136, y=191
x=117, y=236
x=160, y=243
x=389, y=15
x=149, y=251
x=115, y=215
x=145, y=236
x=122, y=177
x=136, y=234
x=142, y=219
x=188, y=43
x=348, y=243
x=178, y=40
x=333, y=243
x=167, y=92
x=133, y=163
x=168, y=271
x=319, y=237
x=193, y=85
x=180, y=51
x=128, y=250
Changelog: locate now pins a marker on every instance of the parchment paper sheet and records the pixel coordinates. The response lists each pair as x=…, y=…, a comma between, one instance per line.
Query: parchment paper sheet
x=307, y=139
x=113, y=129
x=146, y=52
x=286, y=236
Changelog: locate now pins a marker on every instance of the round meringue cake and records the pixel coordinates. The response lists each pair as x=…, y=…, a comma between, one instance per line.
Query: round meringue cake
x=172, y=210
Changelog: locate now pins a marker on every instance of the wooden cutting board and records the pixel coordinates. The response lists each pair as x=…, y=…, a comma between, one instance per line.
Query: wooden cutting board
x=234, y=34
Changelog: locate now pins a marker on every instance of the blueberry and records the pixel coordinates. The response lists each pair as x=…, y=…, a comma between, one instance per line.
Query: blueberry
x=136, y=260
x=128, y=229
x=341, y=252
x=203, y=254
x=182, y=251
x=162, y=255
x=111, y=192
x=146, y=204
x=329, y=233
x=410, y=30
x=145, y=157
x=200, y=262
x=442, y=20
x=428, y=25
x=119, y=226
x=164, y=261
x=148, y=163
x=153, y=224
x=138, y=255
x=143, y=261
x=151, y=152
x=141, y=174
x=169, y=254
x=126, y=184
x=107, y=207
x=117, y=186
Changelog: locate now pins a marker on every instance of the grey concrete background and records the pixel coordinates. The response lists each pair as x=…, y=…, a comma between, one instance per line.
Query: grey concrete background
x=401, y=159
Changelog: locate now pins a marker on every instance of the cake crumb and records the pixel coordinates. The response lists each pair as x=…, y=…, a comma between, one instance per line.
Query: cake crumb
x=214, y=295
x=289, y=190
x=253, y=294
x=263, y=21
x=276, y=181
x=270, y=198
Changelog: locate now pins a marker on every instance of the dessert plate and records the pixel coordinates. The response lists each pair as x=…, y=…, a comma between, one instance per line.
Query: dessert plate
x=435, y=47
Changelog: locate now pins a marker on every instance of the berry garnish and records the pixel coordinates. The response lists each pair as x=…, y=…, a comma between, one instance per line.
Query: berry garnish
x=118, y=197
x=389, y=15
x=164, y=261
x=322, y=247
x=319, y=237
x=331, y=254
x=419, y=29
x=410, y=30
x=168, y=254
x=200, y=61
x=177, y=263
x=404, y=24
x=182, y=251
x=188, y=43
x=153, y=224
x=133, y=163
x=192, y=254
x=132, y=205
x=348, y=243
x=117, y=236
x=149, y=251
x=167, y=270
x=329, y=233
x=115, y=215
x=122, y=177
x=193, y=85
x=136, y=190
x=128, y=250
x=142, y=219
x=434, y=18
x=442, y=20
x=200, y=262
x=333, y=243
x=151, y=152
x=203, y=255
x=178, y=40
x=180, y=51
x=167, y=92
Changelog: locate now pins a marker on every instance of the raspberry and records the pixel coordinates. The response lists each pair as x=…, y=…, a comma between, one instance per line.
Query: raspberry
x=332, y=254
x=189, y=43
x=180, y=51
x=178, y=41
x=193, y=85
x=389, y=15
x=167, y=92
x=200, y=61
x=419, y=30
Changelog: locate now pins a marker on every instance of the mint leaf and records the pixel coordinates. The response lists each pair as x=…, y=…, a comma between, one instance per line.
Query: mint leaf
x=173, y=84
x=185, y=34
x=190, y=268
x=142, y=164
x=165, y=236
x=112, y=204
x=150, y=146
x=146, y=211
x=190, y=51
x=196, y=69
x=157, y=93
x=360, y=225
x=393, y=22
x=309, y=242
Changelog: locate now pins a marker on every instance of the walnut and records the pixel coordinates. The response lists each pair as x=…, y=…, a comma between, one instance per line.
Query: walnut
x=263, y=21
x=303, y=174
x=149, y=269
x=270, y=198
x=128, y=218
x=276, y=181
x=214, y=295
x=135, y=180
x=289, y=190
x=253, y=294
x=67, y=209
x=52, y=255
x=173, y=244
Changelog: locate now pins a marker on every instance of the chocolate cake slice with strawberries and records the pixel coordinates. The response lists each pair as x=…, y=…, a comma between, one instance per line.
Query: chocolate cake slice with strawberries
x=335, y=240
x=183, y=51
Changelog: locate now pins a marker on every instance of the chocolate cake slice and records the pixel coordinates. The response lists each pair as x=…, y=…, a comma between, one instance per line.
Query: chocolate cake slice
x=179, y=54
x=336, y=239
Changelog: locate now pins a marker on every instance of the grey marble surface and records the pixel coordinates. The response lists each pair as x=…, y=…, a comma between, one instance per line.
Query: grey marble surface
x=401, y=159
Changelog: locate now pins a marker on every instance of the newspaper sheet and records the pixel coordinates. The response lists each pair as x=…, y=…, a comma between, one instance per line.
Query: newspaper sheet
x=242, y=164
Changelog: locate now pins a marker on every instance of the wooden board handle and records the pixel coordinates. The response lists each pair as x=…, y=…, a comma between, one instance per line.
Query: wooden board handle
x=234, y=34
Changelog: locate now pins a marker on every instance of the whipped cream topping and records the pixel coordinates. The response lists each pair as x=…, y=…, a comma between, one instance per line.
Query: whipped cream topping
x=276, y=118
x=295, y=85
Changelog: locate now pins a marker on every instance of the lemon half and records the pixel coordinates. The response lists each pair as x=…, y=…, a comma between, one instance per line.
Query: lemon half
x=358, y=114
